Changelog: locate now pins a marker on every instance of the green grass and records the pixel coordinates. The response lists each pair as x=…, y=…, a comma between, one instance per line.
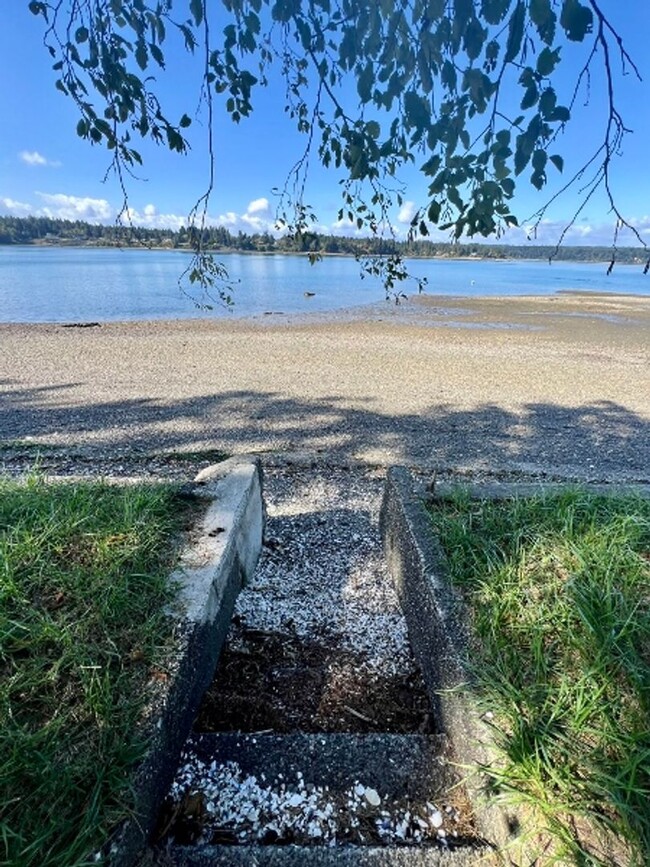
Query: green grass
x=83, y=638
x=559, y=593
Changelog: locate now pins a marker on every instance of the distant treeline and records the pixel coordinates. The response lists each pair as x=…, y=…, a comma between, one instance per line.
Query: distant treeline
x=46, y=231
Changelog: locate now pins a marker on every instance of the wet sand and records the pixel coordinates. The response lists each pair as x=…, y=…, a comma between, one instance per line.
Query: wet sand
x=557, y=385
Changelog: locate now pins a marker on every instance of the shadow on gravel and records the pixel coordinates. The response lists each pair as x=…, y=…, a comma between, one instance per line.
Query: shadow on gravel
x=599, y=440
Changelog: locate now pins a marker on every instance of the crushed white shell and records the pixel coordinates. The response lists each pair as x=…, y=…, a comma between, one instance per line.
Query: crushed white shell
x=254, y=810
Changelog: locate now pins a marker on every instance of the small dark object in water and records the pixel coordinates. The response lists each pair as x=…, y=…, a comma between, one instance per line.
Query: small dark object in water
x=81, y=325
x=309, y=294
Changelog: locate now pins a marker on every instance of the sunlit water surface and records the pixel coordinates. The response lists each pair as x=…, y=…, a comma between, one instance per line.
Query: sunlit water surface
x=64, y=284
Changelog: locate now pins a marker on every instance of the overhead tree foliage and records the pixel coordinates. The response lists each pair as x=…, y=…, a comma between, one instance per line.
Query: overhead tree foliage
x=464, y=89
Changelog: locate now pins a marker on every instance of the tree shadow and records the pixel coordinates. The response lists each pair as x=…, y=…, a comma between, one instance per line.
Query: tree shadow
x=598, y=440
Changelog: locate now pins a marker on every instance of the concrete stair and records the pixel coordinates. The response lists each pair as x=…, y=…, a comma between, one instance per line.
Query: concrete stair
x=321, y=856
x=405, y=772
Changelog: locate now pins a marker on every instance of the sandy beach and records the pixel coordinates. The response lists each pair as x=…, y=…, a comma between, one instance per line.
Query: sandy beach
x=558, y=385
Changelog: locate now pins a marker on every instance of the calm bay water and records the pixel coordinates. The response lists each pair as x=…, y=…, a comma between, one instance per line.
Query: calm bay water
x=64, y=284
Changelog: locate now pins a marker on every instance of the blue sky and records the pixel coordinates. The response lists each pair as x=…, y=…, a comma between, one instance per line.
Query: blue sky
x=46, y=169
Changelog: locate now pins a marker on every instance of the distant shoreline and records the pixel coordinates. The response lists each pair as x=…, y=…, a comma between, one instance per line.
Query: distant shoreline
x=41, y=232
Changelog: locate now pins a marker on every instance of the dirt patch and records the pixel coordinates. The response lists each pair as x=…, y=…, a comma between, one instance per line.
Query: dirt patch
x=268, y=681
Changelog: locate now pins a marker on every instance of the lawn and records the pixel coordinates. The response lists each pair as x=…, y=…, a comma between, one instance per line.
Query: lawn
x=83, y=643
x=558, y=591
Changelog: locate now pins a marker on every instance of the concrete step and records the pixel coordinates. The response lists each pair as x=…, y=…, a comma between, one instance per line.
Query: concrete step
x=321, y=856
x=401, y=766
x=318, y=799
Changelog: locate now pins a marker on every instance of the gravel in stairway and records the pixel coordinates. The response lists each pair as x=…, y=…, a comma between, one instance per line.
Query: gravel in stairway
x=322, y=572
x=279, y=683
x=217, y=803
x=318, y=641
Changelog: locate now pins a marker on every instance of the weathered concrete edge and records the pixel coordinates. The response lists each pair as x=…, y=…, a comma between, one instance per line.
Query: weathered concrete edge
x=438, y=633
x=335, y=856
x=213, y=567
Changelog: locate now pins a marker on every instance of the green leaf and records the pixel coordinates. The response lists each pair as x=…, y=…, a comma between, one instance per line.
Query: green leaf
x=538, y=179
x=463, y=13
x=373, y=129
x=434, y=211
x=547, y=102
x=448, y=76
x=558, y=162
x=416, y=111
x=494, y=10
x=539, y=160
x=544, y=19
x=141, y=55
x=188, y=37
x=577, y=20
x=436, y=9
x=185, y=121
x=431, y=166
x=530, y=97
x=561, y=114
x=547, y=61
x=474, y=38
x=81, y=35
x=364, y=83
x=283, y=10
x=157, y=54
x=515, y=31
x=196, y=10
x=523, y=151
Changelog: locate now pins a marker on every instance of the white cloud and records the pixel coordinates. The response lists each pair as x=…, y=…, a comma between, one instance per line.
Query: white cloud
x=229, y=219
x=33, y=158
x=583, y=233
x=343, y=227
x=64, y=207
x=149, y=218
x=13, y=208
x=406, y=212
x=257, y=218
x=258, y=206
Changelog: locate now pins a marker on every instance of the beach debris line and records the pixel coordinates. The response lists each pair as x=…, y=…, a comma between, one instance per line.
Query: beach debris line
x=219, y=803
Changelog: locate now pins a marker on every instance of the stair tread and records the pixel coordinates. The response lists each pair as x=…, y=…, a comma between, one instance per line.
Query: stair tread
x=311, y=790
x=337, y=856
x=398, y=765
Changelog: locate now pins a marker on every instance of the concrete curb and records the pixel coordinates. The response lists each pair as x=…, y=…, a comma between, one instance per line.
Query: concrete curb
x=217, y=561
x=438, y=633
